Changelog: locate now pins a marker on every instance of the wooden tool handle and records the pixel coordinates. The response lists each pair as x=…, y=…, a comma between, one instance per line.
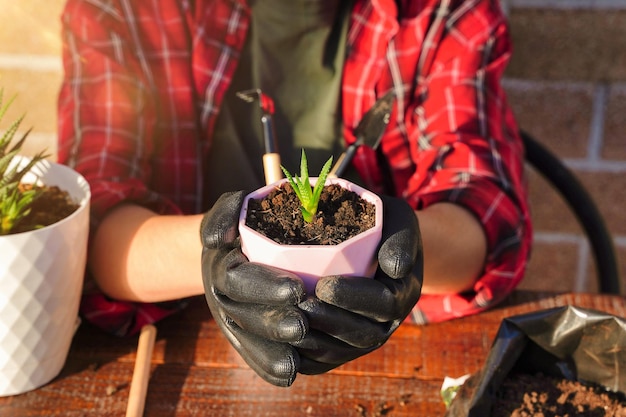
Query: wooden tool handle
x=271, y=166
x=335, y=168
x=344, y=161
x=141, y=373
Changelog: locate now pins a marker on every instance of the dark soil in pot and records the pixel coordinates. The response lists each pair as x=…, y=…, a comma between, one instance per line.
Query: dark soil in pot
x=538, y=395
x=341, y=215
x=52, y=206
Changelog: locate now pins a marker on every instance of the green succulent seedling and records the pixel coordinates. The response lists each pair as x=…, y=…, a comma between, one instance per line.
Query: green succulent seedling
x=309, y=196
x=15, y=203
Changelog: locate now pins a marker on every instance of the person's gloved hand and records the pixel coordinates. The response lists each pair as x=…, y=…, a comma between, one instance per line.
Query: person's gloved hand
x=254, y=305
x=352, y=316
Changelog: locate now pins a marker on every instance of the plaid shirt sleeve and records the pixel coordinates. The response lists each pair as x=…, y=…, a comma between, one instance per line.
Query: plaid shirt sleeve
x=130, y=113
x=101, y=135
x=452, y=137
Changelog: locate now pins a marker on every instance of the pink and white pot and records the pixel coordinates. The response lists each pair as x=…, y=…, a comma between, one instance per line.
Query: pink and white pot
x=354, y=257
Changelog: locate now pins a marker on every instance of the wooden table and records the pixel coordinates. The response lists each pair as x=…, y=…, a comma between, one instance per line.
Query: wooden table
x=195, y=371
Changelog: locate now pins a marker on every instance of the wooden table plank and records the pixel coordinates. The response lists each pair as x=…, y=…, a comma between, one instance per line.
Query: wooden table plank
x=195, y=372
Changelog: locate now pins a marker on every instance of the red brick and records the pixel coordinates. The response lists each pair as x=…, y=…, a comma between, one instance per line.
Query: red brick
x=620, y=254
x=608, y=189
x=614, y=144
x=35, y=98
x=549, y=212
x=558, y=115
x=621, y=264
x=568, y=44
x=31, y=27
x=553, y=267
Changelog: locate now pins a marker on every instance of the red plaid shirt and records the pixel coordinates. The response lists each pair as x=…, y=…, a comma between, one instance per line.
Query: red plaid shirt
x=145, y=79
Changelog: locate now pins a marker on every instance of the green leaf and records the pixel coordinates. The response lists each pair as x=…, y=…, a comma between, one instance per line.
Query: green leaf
x=321, y=181
x=15, y=204
x=309, y=197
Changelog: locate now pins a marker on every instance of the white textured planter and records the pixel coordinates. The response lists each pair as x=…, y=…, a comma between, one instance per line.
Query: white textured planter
x=41, y=279
x=354, y=257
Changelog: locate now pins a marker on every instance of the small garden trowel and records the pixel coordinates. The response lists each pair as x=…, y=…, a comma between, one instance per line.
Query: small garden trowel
x=368, y=132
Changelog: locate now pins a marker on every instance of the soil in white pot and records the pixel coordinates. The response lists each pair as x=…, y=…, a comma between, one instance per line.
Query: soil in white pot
x=52, y=206
x=342, y=214
x=540, y=395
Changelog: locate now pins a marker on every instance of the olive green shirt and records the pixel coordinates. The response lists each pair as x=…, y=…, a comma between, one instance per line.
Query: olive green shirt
x=295, y=54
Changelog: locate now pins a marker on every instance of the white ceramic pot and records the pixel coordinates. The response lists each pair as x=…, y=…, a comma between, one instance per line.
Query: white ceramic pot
x=41, y=279
x=354, y=257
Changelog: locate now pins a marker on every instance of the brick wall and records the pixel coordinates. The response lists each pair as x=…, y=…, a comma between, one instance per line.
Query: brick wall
x=30, y=66
x=566, y=82
x=567, y=85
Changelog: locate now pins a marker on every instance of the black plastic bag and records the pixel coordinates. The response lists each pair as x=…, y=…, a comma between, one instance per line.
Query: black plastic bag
x=565, y=342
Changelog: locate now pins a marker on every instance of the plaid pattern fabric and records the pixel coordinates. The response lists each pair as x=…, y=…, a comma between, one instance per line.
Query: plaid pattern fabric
x=144, y=82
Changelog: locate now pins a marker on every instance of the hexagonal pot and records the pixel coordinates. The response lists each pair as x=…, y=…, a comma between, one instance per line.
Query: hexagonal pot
x=353, y=257
x=41, y=276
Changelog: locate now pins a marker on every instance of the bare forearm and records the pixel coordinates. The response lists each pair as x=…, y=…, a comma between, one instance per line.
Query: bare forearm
x=454, y=247
x=138, y=255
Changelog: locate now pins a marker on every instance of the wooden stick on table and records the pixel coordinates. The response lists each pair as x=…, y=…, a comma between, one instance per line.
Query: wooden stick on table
x=141, y=373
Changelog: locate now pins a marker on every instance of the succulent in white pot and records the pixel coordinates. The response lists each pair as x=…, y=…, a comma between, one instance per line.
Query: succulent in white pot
x=41, y=266
x=312, y=255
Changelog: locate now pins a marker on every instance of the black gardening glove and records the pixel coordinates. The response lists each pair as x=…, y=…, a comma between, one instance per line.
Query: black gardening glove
x=254, y=305
x=352, y=316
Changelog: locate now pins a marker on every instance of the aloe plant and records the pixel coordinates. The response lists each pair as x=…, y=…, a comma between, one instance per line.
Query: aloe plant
x=15, y=202
x=309, y=196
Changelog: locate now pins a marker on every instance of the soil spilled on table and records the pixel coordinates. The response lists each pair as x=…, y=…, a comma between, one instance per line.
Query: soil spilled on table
x=539, y=395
